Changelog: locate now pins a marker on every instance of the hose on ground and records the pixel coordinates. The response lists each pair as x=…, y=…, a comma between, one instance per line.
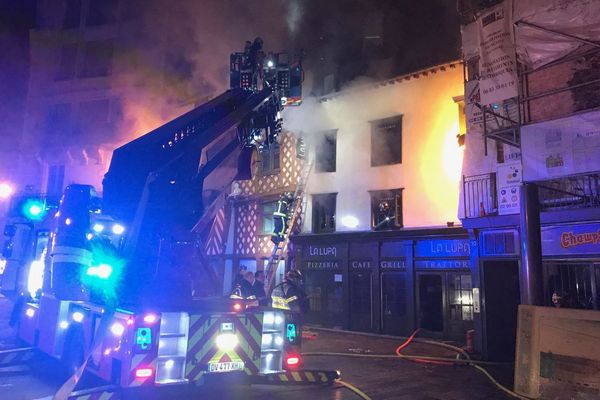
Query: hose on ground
x=451, y=361
x=354, y=389
x=434, y=360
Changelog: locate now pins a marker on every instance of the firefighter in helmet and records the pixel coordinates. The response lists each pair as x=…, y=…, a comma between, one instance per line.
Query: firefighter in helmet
x=293, y=291
x=280, y=217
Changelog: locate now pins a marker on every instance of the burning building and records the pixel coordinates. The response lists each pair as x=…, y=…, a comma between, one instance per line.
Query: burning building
x=378, y=240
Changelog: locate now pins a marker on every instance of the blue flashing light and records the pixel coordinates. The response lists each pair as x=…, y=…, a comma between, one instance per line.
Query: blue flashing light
x=102, y=271
x=290, y=332
x=34, y=209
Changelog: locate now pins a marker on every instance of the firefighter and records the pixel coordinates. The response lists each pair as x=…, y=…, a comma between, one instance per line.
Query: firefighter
x=280, y=217
x=294, y=293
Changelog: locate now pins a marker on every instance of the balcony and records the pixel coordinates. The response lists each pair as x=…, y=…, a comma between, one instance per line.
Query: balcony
x=568, y=193
x=480, y=197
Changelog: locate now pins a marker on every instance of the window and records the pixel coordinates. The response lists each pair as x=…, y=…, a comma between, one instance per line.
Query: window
x=56, y=177
x=268, y=160
x=102, y=12
x=572, y=285
x=326, y=152
x=68, y=62
x=386, y=209
x=93, y=118
x=323, y=212
x=97, y=59
x=57, y=119
x=95, y=111
x=267, y=217
x=386, y=141
x=72, y=14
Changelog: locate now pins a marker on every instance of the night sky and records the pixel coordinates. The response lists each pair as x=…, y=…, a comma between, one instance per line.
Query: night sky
x=342, y=39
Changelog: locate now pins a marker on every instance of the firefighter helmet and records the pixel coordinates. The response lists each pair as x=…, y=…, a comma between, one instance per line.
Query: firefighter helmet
x=294, y=275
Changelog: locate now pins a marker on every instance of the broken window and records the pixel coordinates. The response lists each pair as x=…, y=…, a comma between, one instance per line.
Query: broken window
x=323, y=212
x=326, y=152
x=386, y=141
x=386, y=209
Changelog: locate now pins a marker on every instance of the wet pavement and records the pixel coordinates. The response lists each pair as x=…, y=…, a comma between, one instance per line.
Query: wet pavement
x=385, y=378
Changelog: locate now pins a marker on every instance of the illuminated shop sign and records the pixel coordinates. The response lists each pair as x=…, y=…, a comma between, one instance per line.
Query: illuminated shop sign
x=392, y=264
x=322, y=265
x=360, y=264
x=573, y=239
x=322, y=251
x=442, y=248
x=442, y=264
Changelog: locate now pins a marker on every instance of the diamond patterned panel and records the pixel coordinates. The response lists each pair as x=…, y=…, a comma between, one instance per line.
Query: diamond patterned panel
x=247, y=238
x=287, y=177
x=246, y=228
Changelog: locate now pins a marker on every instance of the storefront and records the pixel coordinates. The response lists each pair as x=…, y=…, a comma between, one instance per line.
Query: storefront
x=390, y=283
x=325, y=282
x=444, y=287
x=571, y=265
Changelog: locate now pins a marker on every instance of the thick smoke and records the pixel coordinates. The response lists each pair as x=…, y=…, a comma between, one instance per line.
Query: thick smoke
x=178, y=56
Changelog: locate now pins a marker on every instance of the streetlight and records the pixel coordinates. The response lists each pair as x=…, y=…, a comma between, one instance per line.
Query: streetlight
x=6, y=190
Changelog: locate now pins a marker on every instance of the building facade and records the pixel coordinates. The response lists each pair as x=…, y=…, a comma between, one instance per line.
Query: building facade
x=379, y=244
x=530, y=188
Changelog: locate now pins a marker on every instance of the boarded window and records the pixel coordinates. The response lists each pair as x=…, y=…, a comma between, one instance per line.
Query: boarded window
x=386, y=141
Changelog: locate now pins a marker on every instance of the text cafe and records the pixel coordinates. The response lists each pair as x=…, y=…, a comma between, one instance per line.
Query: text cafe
x=390, y=285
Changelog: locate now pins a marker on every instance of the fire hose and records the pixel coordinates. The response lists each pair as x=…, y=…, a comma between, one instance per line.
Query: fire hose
x=446, y=361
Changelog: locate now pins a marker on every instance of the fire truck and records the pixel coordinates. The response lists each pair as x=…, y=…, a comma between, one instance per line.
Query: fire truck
x=126, y=293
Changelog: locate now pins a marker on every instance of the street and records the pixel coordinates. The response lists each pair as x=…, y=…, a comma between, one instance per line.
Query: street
x=386, y=378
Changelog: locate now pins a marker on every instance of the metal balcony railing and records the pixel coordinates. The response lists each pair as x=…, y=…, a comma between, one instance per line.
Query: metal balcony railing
x=479, y=195
x=572, y=192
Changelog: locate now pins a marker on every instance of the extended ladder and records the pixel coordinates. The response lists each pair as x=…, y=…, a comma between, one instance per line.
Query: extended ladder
x=298, y=210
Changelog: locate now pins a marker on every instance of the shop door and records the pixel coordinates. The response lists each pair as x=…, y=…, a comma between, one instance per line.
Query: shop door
x=324, y=290
x=502, y=297
x=431, y=302
x=395, y=318
x=460, y=304
x=360, y=301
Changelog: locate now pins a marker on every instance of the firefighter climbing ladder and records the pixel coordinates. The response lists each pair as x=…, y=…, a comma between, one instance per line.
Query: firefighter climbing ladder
x=298, y=210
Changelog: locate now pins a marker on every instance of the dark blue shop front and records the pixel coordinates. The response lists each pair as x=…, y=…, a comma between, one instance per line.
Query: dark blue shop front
x=389, y=284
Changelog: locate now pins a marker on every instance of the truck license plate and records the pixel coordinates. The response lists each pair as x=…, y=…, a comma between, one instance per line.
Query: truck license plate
x=226, y=366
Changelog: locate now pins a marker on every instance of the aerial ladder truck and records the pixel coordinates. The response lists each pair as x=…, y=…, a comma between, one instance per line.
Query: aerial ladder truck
x=125, y=292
